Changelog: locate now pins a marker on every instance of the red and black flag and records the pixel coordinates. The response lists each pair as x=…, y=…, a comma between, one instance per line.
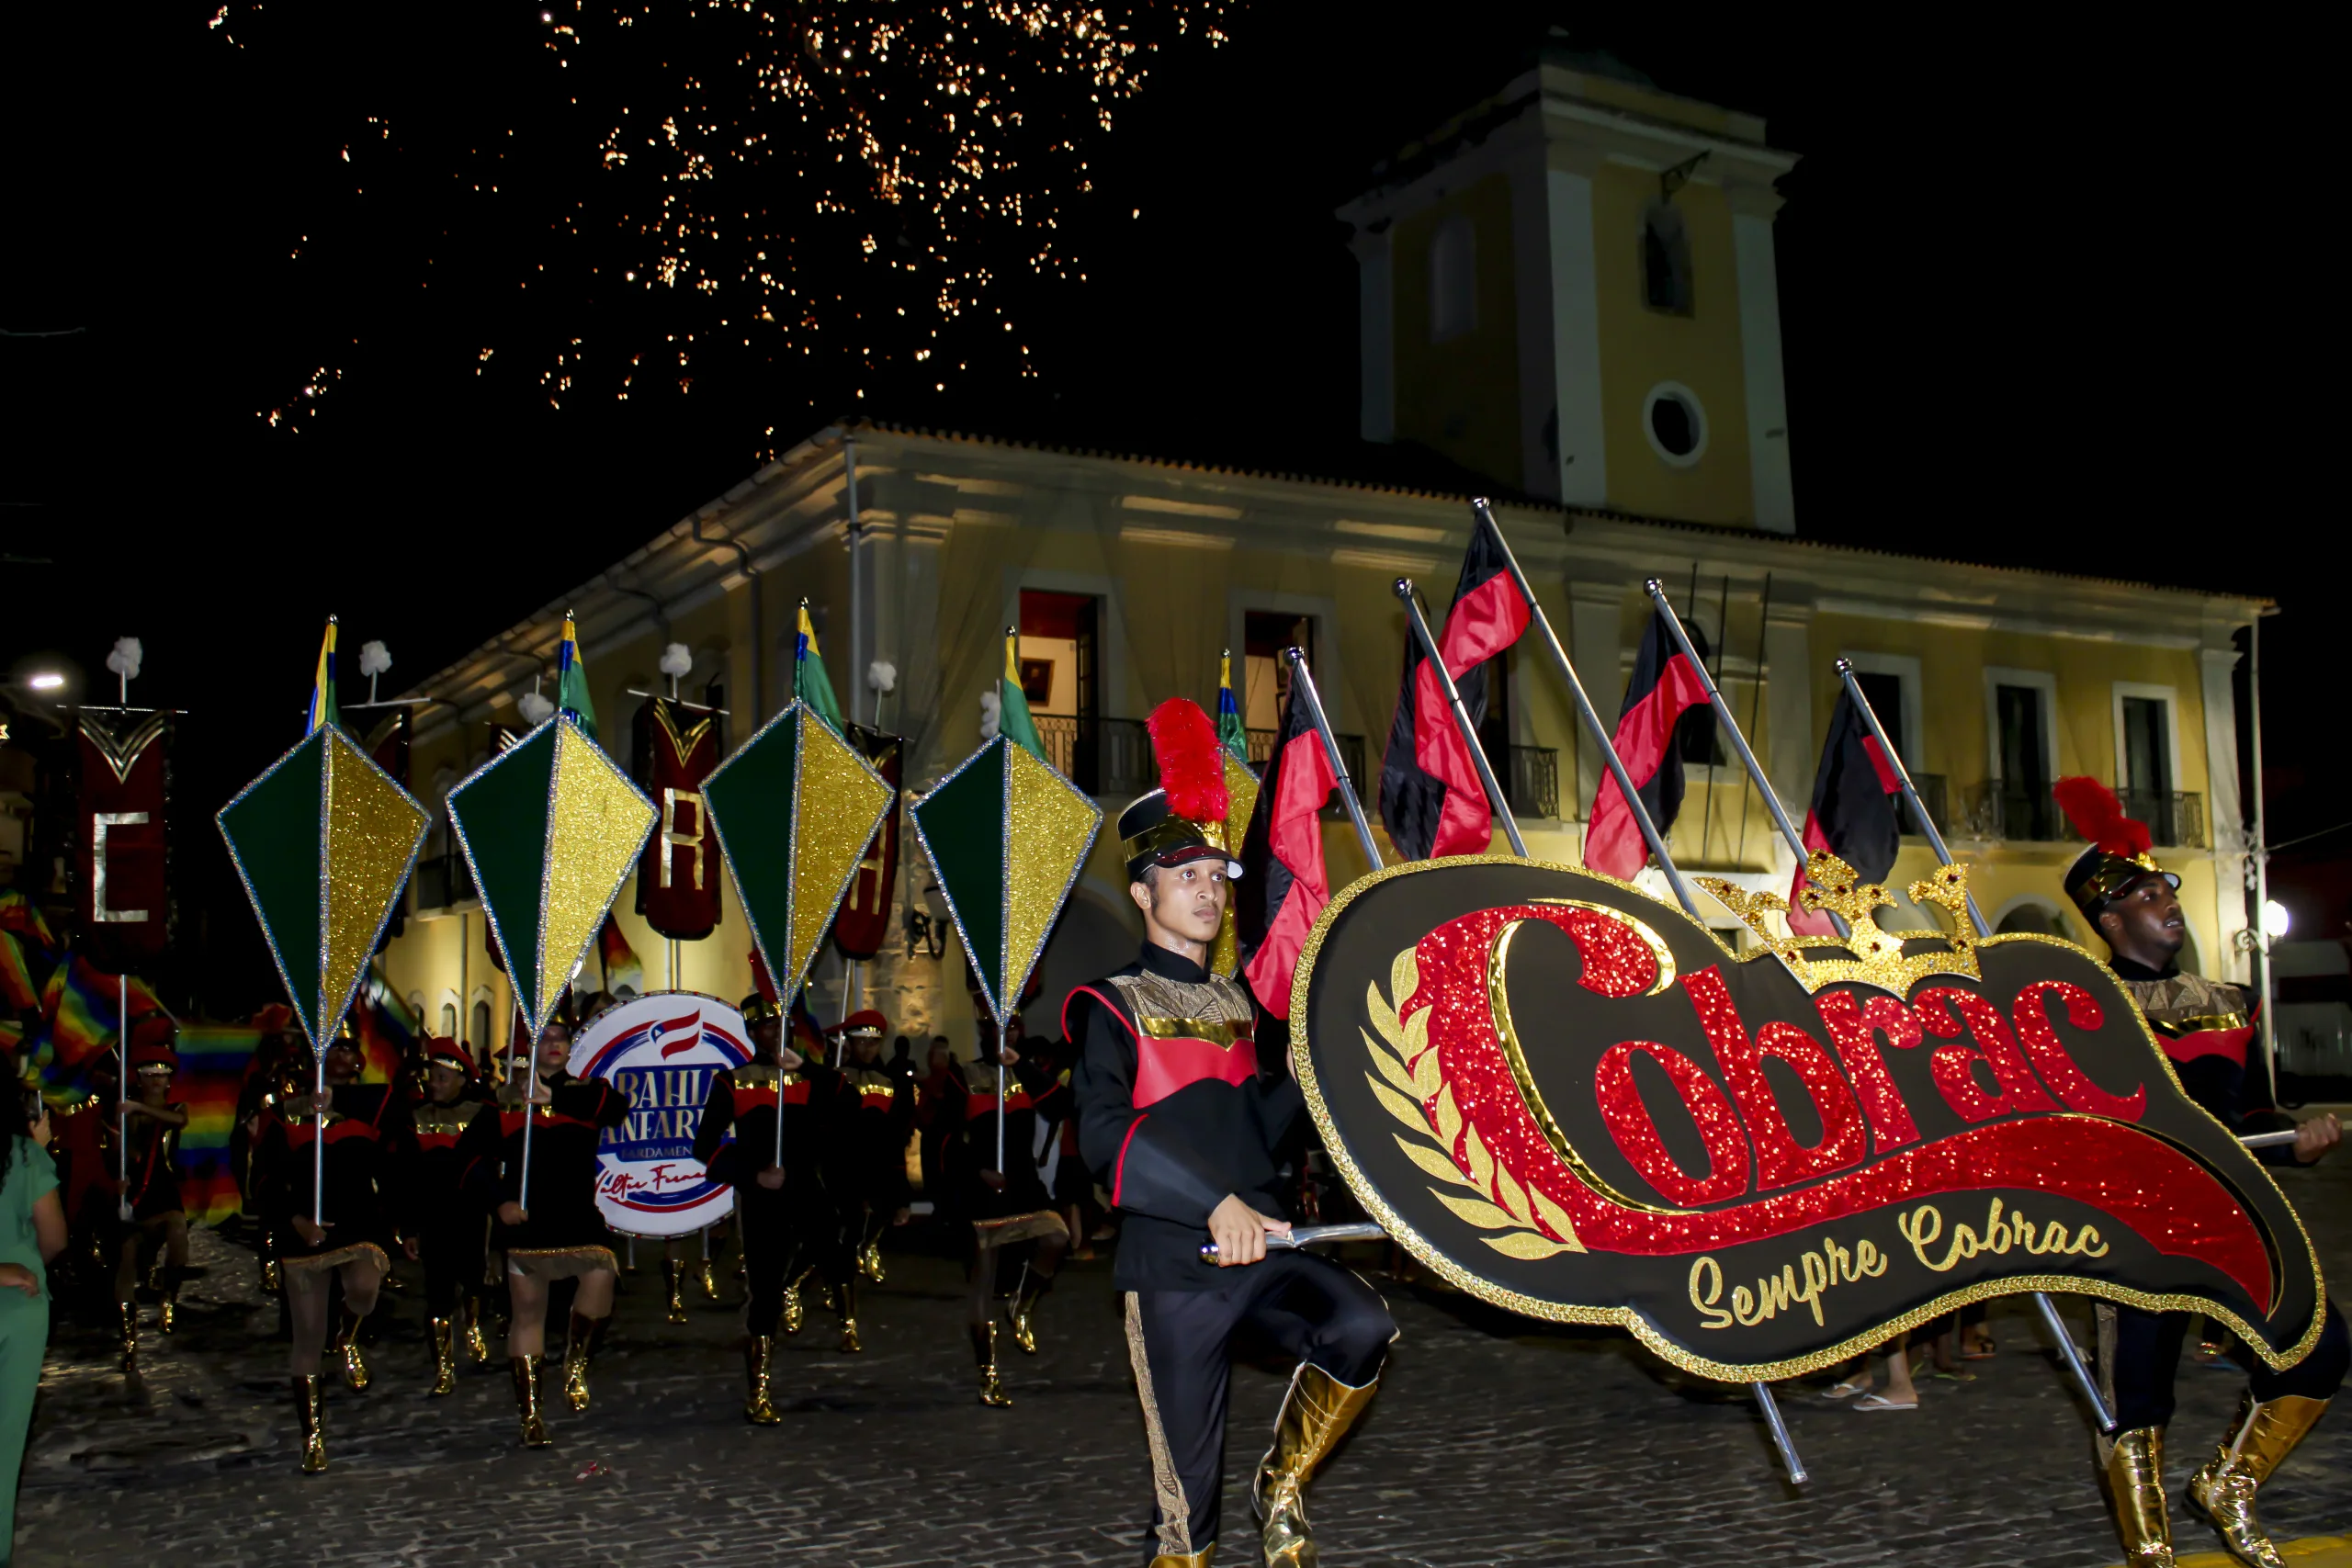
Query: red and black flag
x=1664, y=688
x=1284, y=887
x=1854, y=814
x=1429, y=793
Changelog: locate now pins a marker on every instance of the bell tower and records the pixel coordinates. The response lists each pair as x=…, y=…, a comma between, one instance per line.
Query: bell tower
x=1571, y=288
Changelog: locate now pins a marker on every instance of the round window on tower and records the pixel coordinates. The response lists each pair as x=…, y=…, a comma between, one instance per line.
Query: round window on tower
x=1675, y=424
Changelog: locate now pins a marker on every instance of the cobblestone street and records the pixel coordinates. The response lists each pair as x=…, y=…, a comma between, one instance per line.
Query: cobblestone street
x=1494, y=1442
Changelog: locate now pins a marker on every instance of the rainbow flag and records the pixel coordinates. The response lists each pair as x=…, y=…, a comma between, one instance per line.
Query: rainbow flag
x=25, y=946
x=325, y=709
x=385, y=1029
x=214, y=1059
x=82, y=1011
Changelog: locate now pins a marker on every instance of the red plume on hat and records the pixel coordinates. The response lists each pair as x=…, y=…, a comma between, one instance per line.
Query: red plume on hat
x=1192, y=764
x=2097, y=816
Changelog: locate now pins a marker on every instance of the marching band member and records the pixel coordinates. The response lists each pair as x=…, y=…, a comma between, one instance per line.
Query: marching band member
x=452, y=1226
x=1007, y=1208
x=781, y=1210
x=2204, y=1026
x=1181, y=1121
x=870, y=1162
x=152, y=1123
x=560, y=1236
x=364, y=1128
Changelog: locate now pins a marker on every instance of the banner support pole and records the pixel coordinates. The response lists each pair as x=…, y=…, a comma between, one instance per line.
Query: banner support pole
x=2068, y=1351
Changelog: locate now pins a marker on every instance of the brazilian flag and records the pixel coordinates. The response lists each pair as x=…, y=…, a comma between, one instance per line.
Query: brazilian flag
x=1013, y=713
x=809, y=682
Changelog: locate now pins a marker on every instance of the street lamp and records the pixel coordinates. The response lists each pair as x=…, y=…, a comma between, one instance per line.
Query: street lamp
x=45, y=680
x=2274, y=922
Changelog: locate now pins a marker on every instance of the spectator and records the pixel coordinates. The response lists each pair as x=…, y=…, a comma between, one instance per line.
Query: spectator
x=1901, y=1395
x=32, y=1231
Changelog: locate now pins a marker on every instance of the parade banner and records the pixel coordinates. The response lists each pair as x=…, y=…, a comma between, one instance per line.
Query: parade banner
x=662, y=1051
x=1577, y=1102
x=864, y=924
x=121, y=869
x=674, y=749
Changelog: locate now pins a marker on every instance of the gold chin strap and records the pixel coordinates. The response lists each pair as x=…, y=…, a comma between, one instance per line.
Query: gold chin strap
x=2223, y=1490
x=2135, y=1488
x=1315, y=1417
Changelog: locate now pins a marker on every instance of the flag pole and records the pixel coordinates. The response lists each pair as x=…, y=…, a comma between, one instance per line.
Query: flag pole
x=784, y=1029
x=1656, y=592
x=122, y=1088
x=318, y=1144
x=1404, y=590
x=1302, y=684
x=2068, y=1351
x=1591, y=719
x=1765, y=1404
x=530, y=1098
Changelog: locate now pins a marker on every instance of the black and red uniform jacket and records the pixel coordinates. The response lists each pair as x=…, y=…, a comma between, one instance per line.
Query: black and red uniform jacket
x=562, y=1214
x=155, y=1165
x=971, y=1107
x=442, y=1193
x=876, y=1116
x=2205, y=1027
x=369, y=1135
x=1175, y=1111
x=745, y=1099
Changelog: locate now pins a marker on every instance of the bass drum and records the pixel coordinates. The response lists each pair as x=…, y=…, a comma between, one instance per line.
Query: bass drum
x=663, y=1050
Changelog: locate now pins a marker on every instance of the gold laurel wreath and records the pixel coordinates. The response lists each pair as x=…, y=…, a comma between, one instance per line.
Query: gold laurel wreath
x=1409, y=1080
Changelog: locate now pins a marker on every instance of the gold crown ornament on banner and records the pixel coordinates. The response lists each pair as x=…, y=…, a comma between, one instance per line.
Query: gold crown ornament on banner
x=1868, y=955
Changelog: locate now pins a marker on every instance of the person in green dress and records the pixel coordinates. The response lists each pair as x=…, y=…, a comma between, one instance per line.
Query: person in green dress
x=32, y=1231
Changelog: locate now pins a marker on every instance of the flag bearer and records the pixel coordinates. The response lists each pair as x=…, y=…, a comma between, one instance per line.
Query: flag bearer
x=452, y=1225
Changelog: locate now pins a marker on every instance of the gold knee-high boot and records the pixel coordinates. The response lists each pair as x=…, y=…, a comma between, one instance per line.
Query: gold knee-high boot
x=579, y=1346
x=757, y=1408
x=167, y=1290
x=1204, y=1558
x=1021, y=1310
x=2135, y=1491
x=308, y=1400
x=984, y=1352
x=128, y=1313
x=847, y=1297
x=2263, y=1434
x=345, y=1346
x=526, y=1401
x=444, y=1357
x=673, y=1286
x=1316, y=1415
x=794, y=1313
x=476, y=1347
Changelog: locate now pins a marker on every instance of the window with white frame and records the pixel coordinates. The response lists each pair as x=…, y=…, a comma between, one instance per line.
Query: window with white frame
x=2021, y=752
x=1889, y=682
x=2147, y=756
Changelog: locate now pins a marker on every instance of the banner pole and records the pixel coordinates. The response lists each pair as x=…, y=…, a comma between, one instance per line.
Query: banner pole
x=318, y=1145
x=1404, y=590
x=1302, y=684
x=2068, y=1351
x=784, y=1029
x=122, y=1093
x=1765, y=1404
x=1591, y=719
x=530, y=1108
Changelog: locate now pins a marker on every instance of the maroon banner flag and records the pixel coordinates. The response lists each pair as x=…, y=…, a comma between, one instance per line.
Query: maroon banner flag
x=864, y=923
x=675, y=747
x=121, y=862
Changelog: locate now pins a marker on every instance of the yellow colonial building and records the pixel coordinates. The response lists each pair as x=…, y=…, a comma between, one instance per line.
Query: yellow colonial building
x=1568, y=290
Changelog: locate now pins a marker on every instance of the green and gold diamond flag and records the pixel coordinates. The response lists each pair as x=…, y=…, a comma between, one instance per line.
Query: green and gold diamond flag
x=550, y=830
x=1006, y=836
x=794, y=808
x=323, y=843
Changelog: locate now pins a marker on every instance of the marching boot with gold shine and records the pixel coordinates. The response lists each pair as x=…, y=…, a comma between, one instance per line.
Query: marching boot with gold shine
x=869, y=1258
x=476, y=1347
x=1315, y=1417
x=1204, y=1558
x=2222, y=1491
x=708, y=1279
x=674, y=1287
x=758, y=1350
x=794, y=1313
x=310, y=1398
x=346, y=1345
x=984, y=1350
x=167, y=1307
x=1021, y=1310
x=2135, y=1491
x=266, y=1256
x=847, y=1296
x=526, y=1401
x=129, y=1314
x=579, y=1348
x=445, y=1359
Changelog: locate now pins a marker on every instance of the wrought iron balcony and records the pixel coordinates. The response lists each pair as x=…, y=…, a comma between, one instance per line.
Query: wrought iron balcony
x=1996, y=809
x=1936, y=798
x=1532, y=780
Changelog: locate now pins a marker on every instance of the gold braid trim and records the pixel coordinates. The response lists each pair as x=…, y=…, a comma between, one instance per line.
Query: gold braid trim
x=357, y=1252
x=1175, y=1526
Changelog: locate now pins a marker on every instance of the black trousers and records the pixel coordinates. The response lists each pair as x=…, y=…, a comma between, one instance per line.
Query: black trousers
x=1181, y=1343
x=785, y=1231
x=453, y=1254
x=2147, y=1355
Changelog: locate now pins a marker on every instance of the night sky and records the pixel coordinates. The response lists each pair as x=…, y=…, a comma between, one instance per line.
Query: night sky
x=2007, y=299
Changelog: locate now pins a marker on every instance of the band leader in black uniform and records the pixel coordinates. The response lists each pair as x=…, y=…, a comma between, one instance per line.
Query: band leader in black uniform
x=2204, y=1026
x=366, y=1130
x=560, y=1236
x=451, y=1225
x=1180, y=1121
